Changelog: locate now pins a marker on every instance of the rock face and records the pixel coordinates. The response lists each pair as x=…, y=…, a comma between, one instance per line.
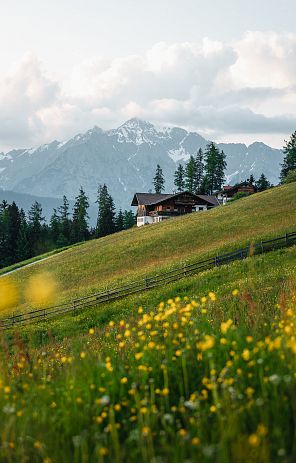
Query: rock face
x=125, y=159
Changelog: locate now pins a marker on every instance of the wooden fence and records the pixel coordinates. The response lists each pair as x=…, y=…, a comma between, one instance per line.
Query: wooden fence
x=76, y=305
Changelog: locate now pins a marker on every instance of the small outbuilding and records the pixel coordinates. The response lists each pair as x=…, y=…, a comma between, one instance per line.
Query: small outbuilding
x=229, y=191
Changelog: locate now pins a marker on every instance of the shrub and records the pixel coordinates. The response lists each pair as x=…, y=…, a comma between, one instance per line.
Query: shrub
x=291, y=176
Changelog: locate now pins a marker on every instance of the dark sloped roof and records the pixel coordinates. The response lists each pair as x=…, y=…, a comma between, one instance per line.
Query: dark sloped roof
x=149, y=199
x=210, y=198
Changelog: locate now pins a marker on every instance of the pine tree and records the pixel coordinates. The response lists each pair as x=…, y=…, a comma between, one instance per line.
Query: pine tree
x=220, y=170
x=251, y=180
x=106, y=215
x=190, y=175
x=262, y=184
x=13, y=229
x=55, y=228
x=199, y=173
x=4, y=226
x=289, y=162
x=65, y=223
x=23, y=245
x=80, y=217
x=119, y=224
x=158, y=180
x=35, y=227
x=215, y=165
x=129, y=219
x=180, y=178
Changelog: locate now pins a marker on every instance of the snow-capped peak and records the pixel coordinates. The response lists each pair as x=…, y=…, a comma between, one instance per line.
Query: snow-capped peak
x=135, y=131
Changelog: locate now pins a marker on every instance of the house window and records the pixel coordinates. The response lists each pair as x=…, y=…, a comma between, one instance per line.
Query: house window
x=200, y=208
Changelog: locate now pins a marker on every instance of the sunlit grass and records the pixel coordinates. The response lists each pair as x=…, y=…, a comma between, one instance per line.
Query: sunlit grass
x=126, y=256
x=178, y=382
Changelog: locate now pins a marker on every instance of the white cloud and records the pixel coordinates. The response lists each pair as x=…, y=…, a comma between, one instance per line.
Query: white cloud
x=243, y=88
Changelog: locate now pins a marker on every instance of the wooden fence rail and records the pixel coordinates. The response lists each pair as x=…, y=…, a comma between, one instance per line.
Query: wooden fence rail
x=76, y=305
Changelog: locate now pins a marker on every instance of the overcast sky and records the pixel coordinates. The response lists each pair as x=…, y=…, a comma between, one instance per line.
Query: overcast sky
x=224, y=68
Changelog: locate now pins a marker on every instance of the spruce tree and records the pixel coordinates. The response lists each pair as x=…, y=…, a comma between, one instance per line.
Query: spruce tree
x=262, y=183
x=220, y=170
x=80, y=217
x=215, y=165
x=179, y=179
x=106, y=214
x=199, y=173
x=129, y=219
x=54, y=227
x=4, y=226
x=13, y=229
x=35, y=227
x=190, y=175
x=289, y=162
x=251, y=180
x=119, y=224
x=23, y=248
x=65, y=223
x=158, y=180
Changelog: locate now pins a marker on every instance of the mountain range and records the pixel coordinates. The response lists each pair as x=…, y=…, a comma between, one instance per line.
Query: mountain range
x=125, y=159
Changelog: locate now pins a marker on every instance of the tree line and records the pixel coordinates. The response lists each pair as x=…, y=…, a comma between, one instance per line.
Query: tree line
x=204, y=173
x=24, y=236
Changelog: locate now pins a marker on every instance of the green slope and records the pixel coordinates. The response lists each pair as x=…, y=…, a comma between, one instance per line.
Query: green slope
x=134, y=253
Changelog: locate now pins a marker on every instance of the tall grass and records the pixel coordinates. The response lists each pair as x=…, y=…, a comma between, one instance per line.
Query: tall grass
x=179, y=382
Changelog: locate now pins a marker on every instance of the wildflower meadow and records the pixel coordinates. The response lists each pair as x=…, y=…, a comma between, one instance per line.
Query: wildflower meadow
x=178, y=382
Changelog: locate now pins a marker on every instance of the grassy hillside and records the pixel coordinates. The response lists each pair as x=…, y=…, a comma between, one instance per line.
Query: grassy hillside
x=134, y=253
x=262, y=281
x=202, y=369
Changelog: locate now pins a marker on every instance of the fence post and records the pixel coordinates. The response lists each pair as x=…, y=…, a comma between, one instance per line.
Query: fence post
x=287, y=238
x=216, y=261
x=146, y=282
x=262, y=247
x=74, y=308
x=184, y=268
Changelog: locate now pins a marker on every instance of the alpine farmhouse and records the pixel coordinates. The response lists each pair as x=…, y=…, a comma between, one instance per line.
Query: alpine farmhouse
x=156, y=207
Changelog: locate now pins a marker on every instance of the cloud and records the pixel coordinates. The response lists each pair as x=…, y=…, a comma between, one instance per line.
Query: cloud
x=245, y=87
x=22, y=95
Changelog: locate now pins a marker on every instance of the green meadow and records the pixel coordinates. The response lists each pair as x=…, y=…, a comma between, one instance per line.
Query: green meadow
x=200, y=370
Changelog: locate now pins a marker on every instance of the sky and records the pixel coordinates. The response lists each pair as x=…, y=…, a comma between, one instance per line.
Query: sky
x=226, y=69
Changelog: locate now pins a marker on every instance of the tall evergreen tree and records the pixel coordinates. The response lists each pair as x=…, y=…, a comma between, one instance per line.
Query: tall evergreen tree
x=129, y=219
x=54, y=226
x=119, y=224
x=215, y=165
x=262, y=183
x=199, y=173
x=289, y=162
x=251, y=180
x=190, y=174
x=220, y=170
x=106, y=214
x=35, y=227
x=13, y=229
x=65, y=223
x=80, y=217
x=158, y=180
x=179, y=178
x=23, y=247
